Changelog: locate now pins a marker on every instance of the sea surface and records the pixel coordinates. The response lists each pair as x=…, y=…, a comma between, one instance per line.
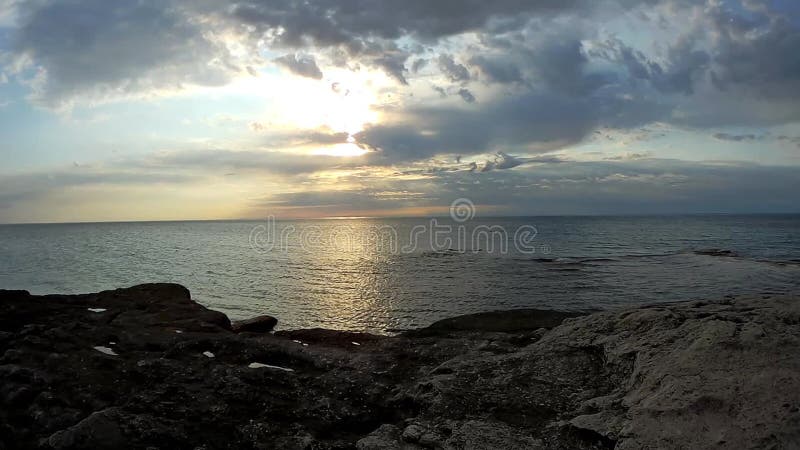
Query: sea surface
x=386, y=275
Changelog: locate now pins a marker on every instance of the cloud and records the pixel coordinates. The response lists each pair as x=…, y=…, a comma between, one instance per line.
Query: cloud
x=611, y=187
x=547, y=74
x=419, y=64
x=535, y=121
x=146, y=47
x=393, y=63
x=790, y=139
x=218, y=161
x=303, y=65
x=29, y=187
x=452, y=70
x=504, y=161
x=756, y=51
x=352, y=24
x=498, y=69
x=684, y=65
x=736, y=137
x=94, y=49
x=466, y=95
x=545, y=184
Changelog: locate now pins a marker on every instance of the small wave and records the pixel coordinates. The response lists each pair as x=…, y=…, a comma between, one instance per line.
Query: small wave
x=781, y=262
x=716, y=252
x=591, y=260
x=573, y=261
x=649, y=255
x=443, y=253
x=564, y=269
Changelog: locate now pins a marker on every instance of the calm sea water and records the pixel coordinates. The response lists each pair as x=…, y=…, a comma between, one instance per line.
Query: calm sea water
x=387, y=275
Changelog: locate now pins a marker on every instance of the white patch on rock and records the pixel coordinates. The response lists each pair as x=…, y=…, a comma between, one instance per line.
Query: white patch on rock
x=208, y=354
x=179, y=331
x=96, y=310
x=256, y=365
x=105, y=350
x=355, y=343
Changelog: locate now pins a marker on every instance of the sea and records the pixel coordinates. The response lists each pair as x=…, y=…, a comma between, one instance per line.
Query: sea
x=389, y=275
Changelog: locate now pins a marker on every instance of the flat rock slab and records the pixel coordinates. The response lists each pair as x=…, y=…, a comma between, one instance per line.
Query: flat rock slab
x=259, y=324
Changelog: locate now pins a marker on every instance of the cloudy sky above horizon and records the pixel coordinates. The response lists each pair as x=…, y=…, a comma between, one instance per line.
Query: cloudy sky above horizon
x=185, y=109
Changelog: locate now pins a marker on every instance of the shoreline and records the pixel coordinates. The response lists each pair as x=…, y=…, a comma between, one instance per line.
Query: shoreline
x=146, y=366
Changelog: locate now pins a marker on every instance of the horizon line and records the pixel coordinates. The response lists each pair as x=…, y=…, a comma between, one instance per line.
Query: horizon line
x=445, y=216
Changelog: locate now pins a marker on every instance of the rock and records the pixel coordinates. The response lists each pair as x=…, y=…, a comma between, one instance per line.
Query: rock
x=497, y=321
x=260, y=324
x=711, y=374
x=329, y=337
x=386, y=437
x=480, y=435
x=413, y=433
x=101, y=430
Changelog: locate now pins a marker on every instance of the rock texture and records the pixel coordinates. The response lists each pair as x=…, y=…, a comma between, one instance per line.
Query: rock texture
x=260, y=324
x=723, y=374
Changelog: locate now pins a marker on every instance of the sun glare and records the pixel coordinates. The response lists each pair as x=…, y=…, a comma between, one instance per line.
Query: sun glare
x=341, y=102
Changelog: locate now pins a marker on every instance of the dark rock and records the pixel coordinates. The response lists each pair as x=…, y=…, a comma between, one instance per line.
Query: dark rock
x=685, y=375
x=260, y=324
x=17, y=295
x=101, y=430
x=498, y=321
x=329, y=337
x=386, y=437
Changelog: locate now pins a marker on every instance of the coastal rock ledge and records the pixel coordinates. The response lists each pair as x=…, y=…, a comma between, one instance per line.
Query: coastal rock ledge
x=147, y=367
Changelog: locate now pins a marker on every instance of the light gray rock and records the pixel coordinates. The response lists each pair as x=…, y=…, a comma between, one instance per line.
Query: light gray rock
x=723, y=375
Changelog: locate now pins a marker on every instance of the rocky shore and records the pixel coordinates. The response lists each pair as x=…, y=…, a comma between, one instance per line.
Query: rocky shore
x=147, y=367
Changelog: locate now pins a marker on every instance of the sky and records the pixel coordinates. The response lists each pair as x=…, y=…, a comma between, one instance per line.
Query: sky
x=201, y=109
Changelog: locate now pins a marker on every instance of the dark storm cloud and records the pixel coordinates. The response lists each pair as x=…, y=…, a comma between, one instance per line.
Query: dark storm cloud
x=540, y=120
x=135, y=47
x=303, y=65
x=368, y=29
x=563, y=74
x=757, y=52
x=559, y=62
x=350, y=22
x=99, y=47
